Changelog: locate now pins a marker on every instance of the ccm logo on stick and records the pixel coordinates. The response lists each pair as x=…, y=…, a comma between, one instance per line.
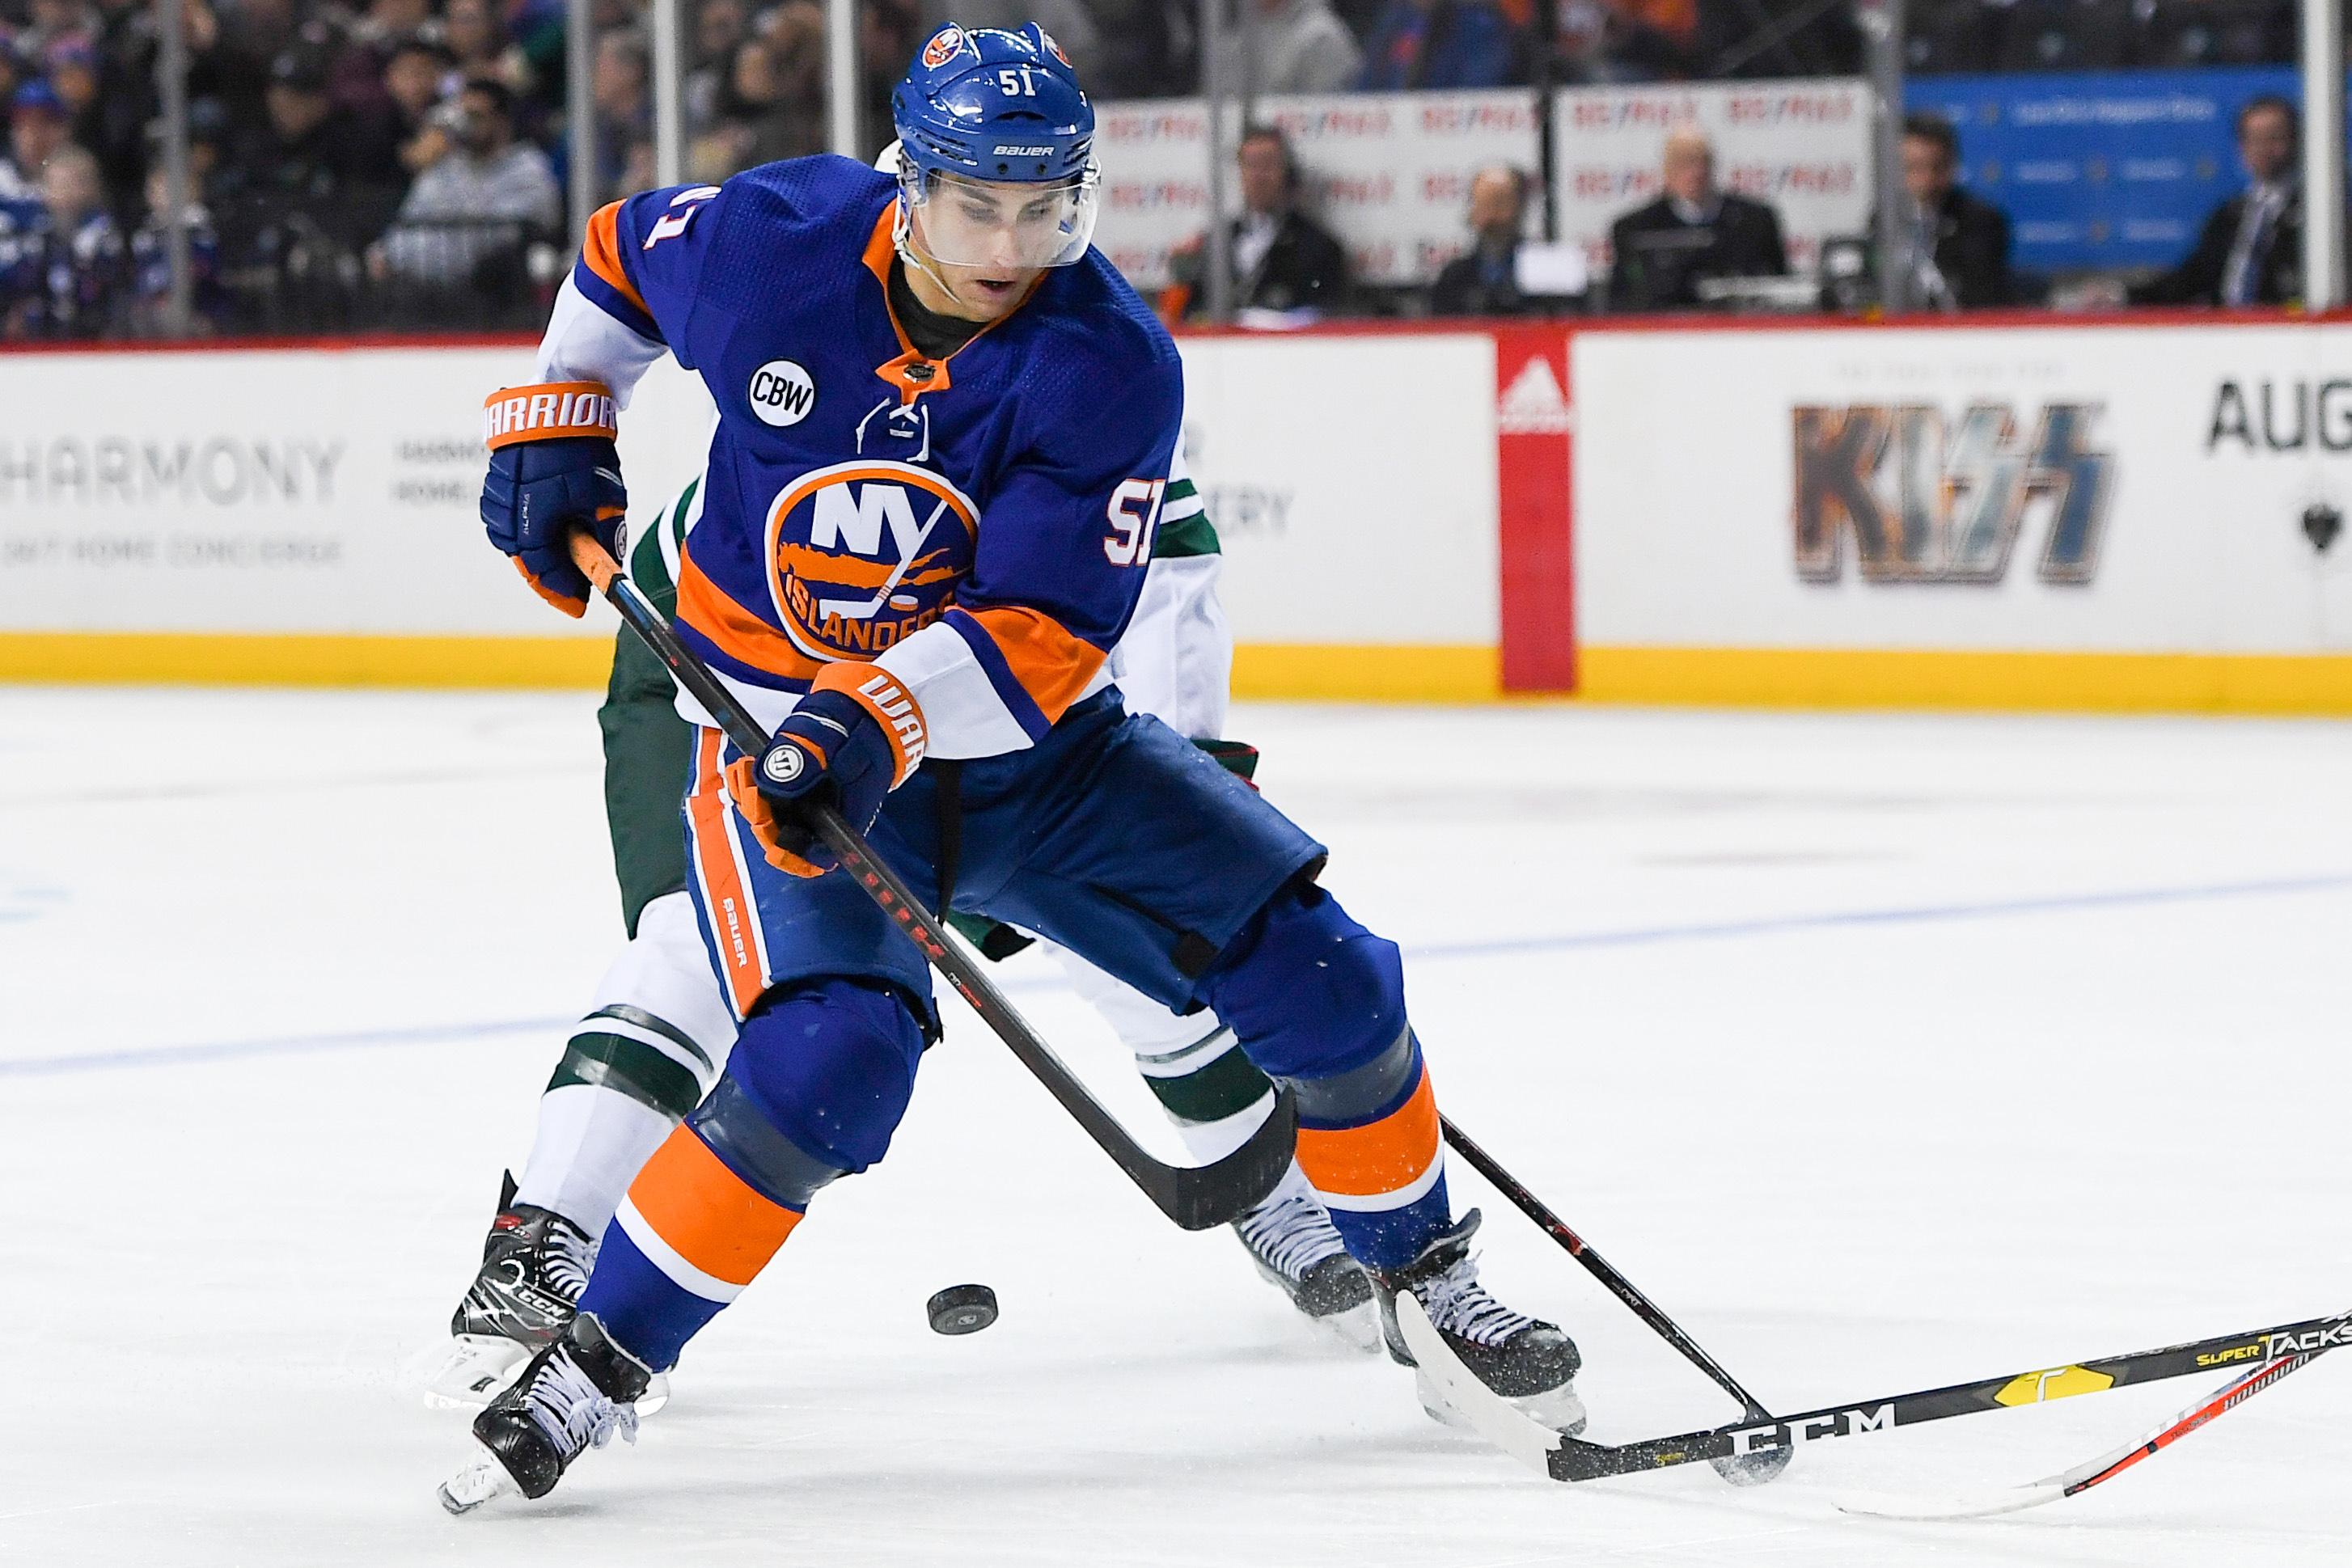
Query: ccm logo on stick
x=1810, y=1428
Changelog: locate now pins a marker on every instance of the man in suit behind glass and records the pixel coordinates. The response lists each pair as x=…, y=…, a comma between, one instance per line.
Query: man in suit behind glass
x=1283, y=261
x=2251, y=250
x=1693, y=231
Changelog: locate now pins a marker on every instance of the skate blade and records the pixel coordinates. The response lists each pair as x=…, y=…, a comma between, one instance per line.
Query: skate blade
x=1357, y=1329
x=476, y=1484
x=475, y=1370
x=656, y=1395
x=1558, y=1409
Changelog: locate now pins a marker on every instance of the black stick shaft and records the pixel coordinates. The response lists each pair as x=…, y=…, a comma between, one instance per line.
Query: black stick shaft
x=1599, y=1267
x=1576, y=1460
x=1195, y=1196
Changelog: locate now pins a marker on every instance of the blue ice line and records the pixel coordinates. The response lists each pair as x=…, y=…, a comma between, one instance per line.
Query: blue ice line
x=304, y=1045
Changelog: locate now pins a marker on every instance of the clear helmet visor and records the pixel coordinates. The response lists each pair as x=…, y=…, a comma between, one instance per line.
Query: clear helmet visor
x=1000, y=225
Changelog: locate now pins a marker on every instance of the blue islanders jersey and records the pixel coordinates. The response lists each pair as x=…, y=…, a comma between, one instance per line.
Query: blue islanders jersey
x=978, y=525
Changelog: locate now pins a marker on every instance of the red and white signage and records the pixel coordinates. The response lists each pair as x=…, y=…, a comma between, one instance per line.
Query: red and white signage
x=1390, y=173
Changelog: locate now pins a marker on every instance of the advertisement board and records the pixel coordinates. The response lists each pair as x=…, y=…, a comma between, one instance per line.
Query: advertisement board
x=2101, y=168
x=301, y=491
x=2149, y=494
x=312, y=514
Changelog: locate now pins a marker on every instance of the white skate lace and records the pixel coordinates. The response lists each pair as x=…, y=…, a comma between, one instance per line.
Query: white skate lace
x=1459, y=1305
x=565, y=1256
x=571, y=1409
x=1290, y=1232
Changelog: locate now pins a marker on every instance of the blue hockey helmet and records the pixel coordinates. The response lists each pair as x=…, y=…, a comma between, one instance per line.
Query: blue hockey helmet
x=985, y=106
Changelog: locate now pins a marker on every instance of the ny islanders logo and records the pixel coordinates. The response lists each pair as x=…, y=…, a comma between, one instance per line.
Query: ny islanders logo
x=864, y=555
x=945, y=44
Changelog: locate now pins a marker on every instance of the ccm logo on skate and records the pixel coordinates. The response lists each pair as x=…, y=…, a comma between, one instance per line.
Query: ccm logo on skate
x=782, y=765
x=782, y=392
x=1811, y=1428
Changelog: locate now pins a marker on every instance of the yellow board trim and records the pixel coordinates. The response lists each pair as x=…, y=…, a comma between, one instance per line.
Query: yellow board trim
x=1999, y=681
x=1296, y=671
x=1426, y=673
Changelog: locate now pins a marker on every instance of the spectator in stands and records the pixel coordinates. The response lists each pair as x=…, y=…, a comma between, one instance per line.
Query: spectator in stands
x=719, y=26
x=1284, y=262
x=82, y=260
x=771, y=104
x=125, y=98
x=1690, y=233
x=311, y=164
x=36, y=129
x=253, y=35
x=624, y=96
x=1141, y=53
x=477, y=43
x=415, y=78
x=355, y=77
x=2250, y=251
x=1302, y=47
x=151, y=267
x=53, y=22
x=1440, y=44
x=1956, y=249
x=888, y=33
x=1484, y=281
x=472, y=214
x=73, y=71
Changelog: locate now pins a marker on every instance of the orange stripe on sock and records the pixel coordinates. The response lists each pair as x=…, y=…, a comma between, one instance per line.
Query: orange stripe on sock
x=706, y=1213
x=1386, y=1155
x=726, y=902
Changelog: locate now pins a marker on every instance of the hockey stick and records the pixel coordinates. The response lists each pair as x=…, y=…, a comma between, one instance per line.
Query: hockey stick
x=2086, y=1476
x=1743, y=1470
x=1195, y=1196
x=1565, y=1458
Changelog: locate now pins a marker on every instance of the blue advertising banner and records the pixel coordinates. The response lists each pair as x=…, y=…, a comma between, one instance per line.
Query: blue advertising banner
x=2104, y=168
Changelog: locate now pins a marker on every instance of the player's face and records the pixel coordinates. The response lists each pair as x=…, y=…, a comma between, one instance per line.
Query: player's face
x=988, y=241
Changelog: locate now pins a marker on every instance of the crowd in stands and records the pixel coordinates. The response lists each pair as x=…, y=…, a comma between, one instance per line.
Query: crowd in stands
x=359, y=163
x=1957, y=36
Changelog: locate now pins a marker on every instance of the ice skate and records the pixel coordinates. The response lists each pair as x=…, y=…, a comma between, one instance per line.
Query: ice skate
x=1290, y=1239
x=572, y=1396
x=1526, y=1361
x=535, y=1263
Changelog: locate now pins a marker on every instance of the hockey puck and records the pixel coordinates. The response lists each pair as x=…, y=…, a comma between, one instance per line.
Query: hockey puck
x=1754, y=1469
x=962, y=1309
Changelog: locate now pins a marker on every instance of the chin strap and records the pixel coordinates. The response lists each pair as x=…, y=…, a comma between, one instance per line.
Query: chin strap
x=902, y=241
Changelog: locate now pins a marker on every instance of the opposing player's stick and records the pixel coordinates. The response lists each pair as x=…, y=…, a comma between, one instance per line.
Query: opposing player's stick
x=1565, y=1458
x=2086, y=1476
x=1740, y=1470
x=1195, y=1197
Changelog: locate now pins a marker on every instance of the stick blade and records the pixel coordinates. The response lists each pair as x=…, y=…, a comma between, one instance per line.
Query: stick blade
x=1491, y=1415
x=1202, y=1198
x=1980, y=1505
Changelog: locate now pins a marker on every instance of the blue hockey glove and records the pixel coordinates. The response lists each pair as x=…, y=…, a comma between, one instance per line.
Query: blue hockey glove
x=552, y=468
x=853, y=739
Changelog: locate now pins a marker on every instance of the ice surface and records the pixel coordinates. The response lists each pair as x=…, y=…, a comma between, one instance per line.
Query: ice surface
x=1884, y=1051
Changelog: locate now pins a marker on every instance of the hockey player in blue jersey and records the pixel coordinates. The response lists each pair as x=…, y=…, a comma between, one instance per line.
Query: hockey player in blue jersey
x=945, y=432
